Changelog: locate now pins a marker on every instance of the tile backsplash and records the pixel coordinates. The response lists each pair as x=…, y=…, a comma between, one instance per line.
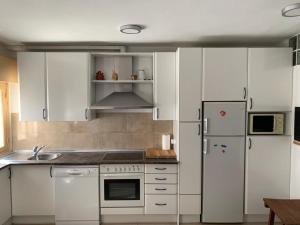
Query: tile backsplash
x=108, y=130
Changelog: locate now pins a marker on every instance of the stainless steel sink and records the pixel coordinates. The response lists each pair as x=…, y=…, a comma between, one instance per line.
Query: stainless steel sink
x=45, y=156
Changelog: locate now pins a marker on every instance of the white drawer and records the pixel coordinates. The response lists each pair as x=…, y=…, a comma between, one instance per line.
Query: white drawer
x=159, y=189
x=161, y=178
x=160, y=168
x=160, y=204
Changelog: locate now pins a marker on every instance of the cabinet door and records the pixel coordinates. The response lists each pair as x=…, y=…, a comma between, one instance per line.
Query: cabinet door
x=5, y=206
x=224, y=74
x=164, y=87
x=67, y=75
x=190, y=158
x=190, y=168
x=189, y=83
x=32, y=81
x=270, y=79
x=267, y=171
x=32, y=191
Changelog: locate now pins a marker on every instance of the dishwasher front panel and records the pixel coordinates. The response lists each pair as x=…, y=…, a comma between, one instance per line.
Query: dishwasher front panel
x=76, y=194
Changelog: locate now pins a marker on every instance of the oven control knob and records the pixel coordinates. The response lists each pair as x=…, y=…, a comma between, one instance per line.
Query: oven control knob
x=133, y=169
x=115, y=169
x=124, y=169
x=107, y=169
x=120, y=169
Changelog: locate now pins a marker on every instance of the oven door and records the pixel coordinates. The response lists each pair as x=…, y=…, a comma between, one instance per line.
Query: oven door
x=122, y=190
x=262, y=124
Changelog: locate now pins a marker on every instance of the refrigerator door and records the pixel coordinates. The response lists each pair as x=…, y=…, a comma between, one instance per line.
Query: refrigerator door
x=224, y=118
x=223, y=179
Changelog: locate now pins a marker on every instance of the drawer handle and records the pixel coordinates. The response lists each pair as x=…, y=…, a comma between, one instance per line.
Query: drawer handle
x=157, y=168
x=161, y=204
x=156, y=178
x=160, y=189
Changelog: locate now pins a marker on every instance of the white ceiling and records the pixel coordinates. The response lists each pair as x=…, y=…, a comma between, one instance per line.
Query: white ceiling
x=166, y=21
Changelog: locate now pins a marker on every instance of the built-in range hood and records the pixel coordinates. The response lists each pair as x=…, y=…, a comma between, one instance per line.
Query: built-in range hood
x=122, y=100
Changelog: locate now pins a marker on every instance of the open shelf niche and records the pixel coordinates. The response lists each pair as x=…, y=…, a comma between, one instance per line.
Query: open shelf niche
x=124, y=93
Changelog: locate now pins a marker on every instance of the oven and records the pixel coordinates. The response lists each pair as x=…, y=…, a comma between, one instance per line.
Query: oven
x=122, y=185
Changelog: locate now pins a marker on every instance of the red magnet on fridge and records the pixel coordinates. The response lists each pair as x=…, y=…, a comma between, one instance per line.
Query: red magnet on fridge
x=222, y=113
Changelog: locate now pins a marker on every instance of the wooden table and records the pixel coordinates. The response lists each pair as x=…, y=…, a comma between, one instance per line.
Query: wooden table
x=287, y=210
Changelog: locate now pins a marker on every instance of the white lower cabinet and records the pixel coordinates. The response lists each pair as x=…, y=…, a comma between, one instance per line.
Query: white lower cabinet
x=267, y=171
x=161, y=178
x=161, y=204
x=190, y=168
x=161, y=189
x=190, y=204
x=32, y=190
x=5, y=201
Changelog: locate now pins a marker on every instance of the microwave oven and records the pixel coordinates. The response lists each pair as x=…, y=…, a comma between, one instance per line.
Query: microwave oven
x=266, y=123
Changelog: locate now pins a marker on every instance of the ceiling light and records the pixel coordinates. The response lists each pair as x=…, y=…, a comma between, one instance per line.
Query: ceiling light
x=291, y=10
x=131, y=29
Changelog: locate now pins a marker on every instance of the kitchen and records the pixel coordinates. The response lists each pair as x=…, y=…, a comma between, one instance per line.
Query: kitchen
x=128, y=132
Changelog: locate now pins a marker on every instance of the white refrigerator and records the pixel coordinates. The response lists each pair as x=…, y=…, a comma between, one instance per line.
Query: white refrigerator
x=223, y=162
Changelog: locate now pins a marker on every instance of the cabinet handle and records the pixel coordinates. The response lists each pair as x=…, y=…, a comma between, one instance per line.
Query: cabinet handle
x=244, y=92
x=199, y=129
x=250, y=144
x=44, y=114
x=204, y=146
x=157, y=113
x=156, y=178
x=251, y=103
x=86, y=114
x=199, y=114
x=161, y=204
x=160, y=189
x=51, y=172
x=9, y=174
x=205, y=126
x=157, y=168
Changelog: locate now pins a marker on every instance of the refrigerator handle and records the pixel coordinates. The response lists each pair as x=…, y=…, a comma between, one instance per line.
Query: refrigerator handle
x=205, y=125
x=204, y=146
x=199, y=129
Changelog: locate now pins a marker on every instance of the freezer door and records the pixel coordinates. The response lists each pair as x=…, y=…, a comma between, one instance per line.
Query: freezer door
x=224, y=118
x=223, y=179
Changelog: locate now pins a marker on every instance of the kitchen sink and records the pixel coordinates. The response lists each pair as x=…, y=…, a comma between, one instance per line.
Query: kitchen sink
x=45, y=156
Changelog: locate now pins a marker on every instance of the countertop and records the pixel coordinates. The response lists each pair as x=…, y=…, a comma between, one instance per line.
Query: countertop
x=94, y=157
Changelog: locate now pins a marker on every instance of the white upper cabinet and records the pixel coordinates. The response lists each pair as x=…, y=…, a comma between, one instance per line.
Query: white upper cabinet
x=188, y=84
x=5, y=206
x=32, y=190
x=164, y=88
x=67, y=81
x=270, y=79
x=32, y=80
x=267, y=171
x=224, y=74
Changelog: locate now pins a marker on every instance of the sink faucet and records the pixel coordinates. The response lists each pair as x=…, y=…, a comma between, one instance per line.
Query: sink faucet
x=37, y=149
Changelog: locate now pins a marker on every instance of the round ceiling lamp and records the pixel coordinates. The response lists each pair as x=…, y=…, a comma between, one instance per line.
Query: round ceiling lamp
x=131, y=29
x=291, y=10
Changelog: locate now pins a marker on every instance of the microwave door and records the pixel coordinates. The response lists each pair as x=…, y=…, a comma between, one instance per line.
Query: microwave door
x=263, y=124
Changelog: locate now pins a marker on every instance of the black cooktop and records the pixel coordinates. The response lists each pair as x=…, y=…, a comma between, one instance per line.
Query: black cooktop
x=124, y=156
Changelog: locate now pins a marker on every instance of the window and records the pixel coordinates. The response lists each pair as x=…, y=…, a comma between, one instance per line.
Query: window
x=4, y=119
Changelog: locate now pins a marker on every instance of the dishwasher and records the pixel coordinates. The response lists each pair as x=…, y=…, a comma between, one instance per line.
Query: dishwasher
x=76, y=195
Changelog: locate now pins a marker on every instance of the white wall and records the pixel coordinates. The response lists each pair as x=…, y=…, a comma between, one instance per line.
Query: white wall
x=295, y=154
